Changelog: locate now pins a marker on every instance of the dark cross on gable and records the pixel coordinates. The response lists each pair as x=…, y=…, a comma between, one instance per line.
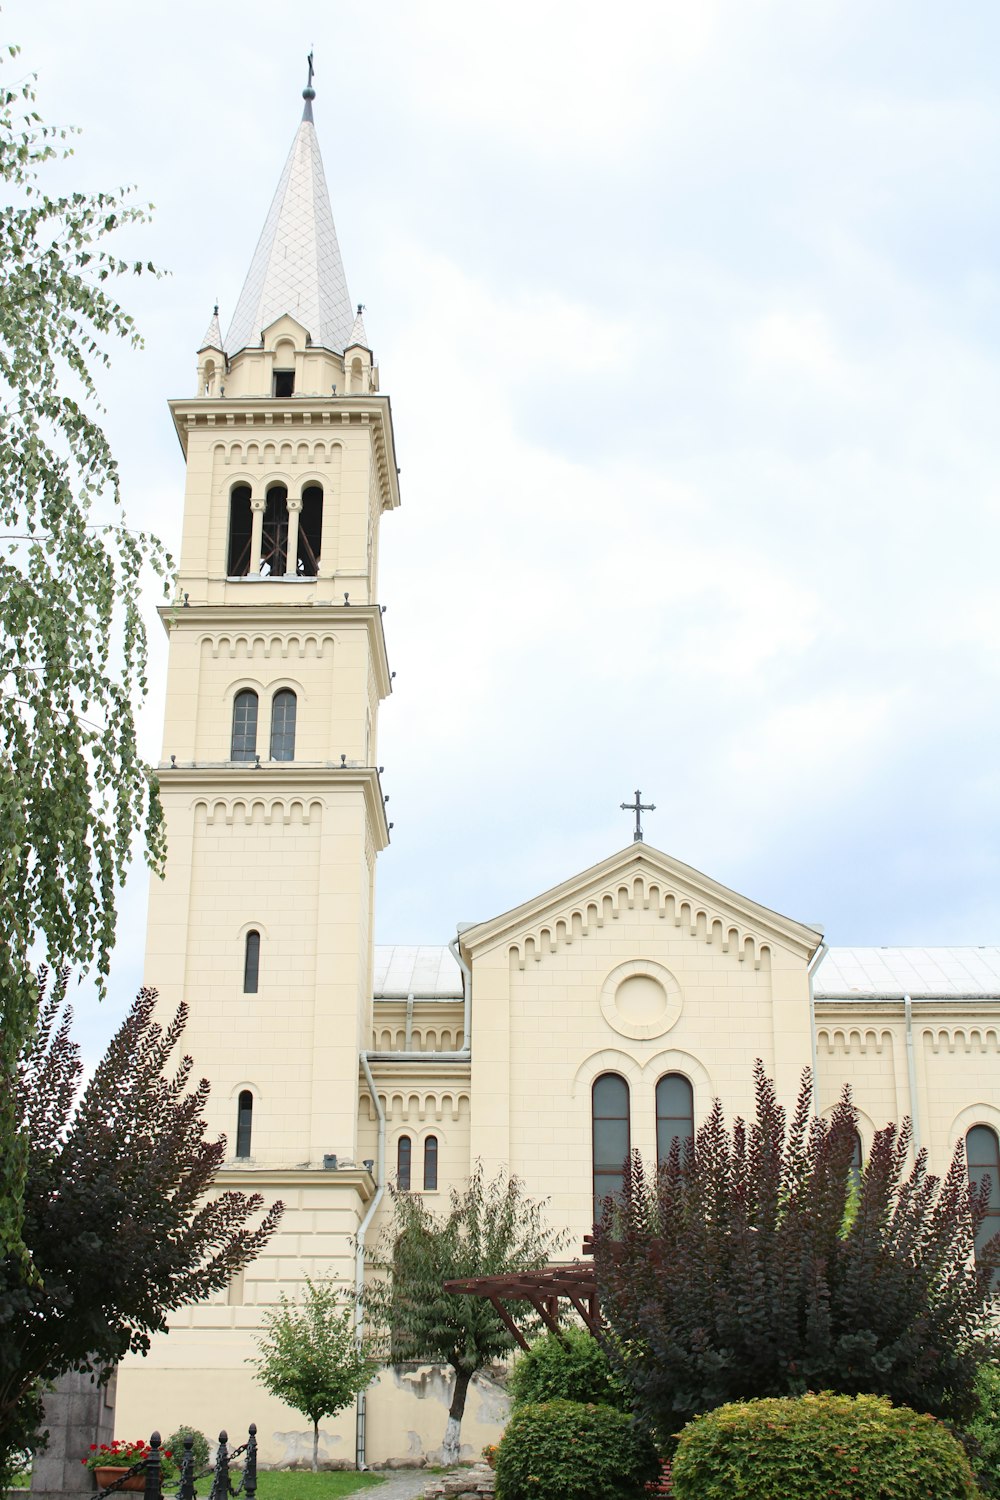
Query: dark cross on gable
x=638, y=807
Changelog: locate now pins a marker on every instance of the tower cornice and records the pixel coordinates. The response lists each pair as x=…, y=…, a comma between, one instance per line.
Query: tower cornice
x=274, y=615
x=246, y=782
x=279, y=414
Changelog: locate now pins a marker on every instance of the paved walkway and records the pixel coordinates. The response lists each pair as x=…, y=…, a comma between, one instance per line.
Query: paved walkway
x=402, y=1486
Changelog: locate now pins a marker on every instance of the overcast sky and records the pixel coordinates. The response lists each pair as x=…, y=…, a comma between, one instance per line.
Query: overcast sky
x=689, y=316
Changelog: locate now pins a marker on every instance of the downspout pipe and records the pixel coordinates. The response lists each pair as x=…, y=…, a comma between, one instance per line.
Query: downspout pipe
x=911, y=1070
x=814, y=964
x=456, y=953
x=359, y=1254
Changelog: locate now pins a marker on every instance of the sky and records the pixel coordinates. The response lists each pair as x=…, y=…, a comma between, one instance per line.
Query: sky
x=689, y=318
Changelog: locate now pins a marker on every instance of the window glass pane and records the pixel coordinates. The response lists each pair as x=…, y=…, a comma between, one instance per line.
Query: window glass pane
x=244, y=746
x=610, y=1137
x=251, y=963
x=310, y=531
x=674, y=1114
x=403, y=1152
x=244, y=1123
x=240, y=530
x=283, y=725
x=430, y=1164
x=982, y=1150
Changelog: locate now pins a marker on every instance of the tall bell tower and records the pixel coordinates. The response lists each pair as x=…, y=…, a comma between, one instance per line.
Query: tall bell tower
x=277, y=668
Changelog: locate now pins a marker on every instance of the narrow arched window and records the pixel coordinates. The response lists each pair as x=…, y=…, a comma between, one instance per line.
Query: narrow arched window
x=283, y=725
x=274, y=532
x=251, y=963
x=240, y=531
x=310, y=531
x=244, y=746
x=674, y=1116
x=611, y=1137
x=244, y=1123
x=431, y=1164
x=857, y=1163
x=982, y=1152
x=404, y=1153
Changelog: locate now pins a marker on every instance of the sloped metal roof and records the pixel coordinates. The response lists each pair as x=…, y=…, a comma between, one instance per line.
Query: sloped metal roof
x=922, y=973
x=213, y=334
x=297, y=267
x=428, y=973
x=845, y=973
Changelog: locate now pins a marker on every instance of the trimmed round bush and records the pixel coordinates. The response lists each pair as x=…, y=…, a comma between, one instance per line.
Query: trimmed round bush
x=823, y=1447
x=572, y=1450
x=571, y=1368
x=199, y=1446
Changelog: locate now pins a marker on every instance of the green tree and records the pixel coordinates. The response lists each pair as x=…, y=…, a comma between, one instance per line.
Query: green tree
x=74, y=794
x=492, y=1228
x=752, y=1267
x=120, y=1217
x=310, y=1356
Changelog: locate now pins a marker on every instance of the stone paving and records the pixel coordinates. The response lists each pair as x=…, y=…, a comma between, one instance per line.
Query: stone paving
x=402, y=1486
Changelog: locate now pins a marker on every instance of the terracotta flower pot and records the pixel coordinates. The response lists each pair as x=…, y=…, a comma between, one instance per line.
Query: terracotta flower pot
x=105, y=1477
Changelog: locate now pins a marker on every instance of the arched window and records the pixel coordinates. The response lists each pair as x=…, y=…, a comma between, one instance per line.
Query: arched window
x=982, y=1152
x=611, y=1137
x=283, y=725
x=244, y=1123
x=274, y=533
x=404, y=1154
x=310, y=531
x=674, y=1115
x=431, y=1164
x=244, y=746
x=251, y=963
x=857, y=1162
x=240, y=529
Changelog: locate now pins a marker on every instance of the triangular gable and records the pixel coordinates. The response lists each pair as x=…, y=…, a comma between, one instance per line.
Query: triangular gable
x=656, y=875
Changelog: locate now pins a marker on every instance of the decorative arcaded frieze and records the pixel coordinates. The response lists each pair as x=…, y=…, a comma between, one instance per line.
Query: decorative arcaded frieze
x=249, y=644
x=843, y=1041
x=264, y=454
x=247, y=810
x=640, y=894
x=412, y=1104
x=967, y=1039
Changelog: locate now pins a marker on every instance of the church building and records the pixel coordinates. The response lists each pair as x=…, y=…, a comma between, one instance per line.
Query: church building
x=602, y=1015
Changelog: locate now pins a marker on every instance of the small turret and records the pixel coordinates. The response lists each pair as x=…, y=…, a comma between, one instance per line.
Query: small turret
x=360, y=369
x=211, y=360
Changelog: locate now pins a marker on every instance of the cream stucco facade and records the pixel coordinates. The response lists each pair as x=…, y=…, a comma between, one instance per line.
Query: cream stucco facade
x=324, y=1053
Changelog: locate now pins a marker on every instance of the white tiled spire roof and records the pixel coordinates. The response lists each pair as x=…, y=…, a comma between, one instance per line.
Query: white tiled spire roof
x=296, y=267
x=213, y=333
x=358, y=335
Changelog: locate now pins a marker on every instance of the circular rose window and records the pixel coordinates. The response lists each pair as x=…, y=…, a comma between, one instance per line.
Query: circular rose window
x=641, y=999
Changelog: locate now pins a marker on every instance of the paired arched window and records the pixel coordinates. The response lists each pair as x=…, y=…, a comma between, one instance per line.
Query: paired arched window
x=244, y=1123
x=404, y=1161
x=244, y=743
x=431, y=1164
x=283, y=707
x=982, y=1152
x=240, y=531
x=251, y=963
x=611, y=1137
x=246, y=709
x=274, y=533
x=674, y=1116
x=310, y=531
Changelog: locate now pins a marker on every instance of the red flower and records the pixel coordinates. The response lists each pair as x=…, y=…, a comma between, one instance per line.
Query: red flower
x=93, y=1449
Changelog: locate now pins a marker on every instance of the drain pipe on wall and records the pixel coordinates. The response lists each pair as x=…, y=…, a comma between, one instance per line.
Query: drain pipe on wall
x=814, y=964
x=911, y=1070
x=359, y=1255
x=456, y=953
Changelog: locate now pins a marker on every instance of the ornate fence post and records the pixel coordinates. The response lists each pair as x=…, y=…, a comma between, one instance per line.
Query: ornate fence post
x=250, y=1467
x=220, y=1484
x=186, y=1491
x=153, y=1469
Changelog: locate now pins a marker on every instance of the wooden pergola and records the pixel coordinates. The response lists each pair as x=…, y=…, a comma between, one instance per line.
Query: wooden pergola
x=542, y=1288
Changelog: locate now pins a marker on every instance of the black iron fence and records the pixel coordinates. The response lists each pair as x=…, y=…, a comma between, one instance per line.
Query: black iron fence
x=150, y=1469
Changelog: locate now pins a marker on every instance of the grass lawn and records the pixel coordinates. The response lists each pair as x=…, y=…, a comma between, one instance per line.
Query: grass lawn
x=286, y=1484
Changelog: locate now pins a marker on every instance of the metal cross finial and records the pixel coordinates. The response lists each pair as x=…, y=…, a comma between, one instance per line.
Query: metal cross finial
x=309, y=60
x=638, y=807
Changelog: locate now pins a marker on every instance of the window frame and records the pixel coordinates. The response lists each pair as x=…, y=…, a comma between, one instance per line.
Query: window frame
x=278, y=738
x=661, y=1155
x=251, y=962
x=431, y=1161
x=601, y=1168
x=244, y=1124
x=976, y=1172
x=404, y=1171
x=244, y=752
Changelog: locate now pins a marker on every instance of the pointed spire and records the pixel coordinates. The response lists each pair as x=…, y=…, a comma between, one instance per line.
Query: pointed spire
x=358, y=335
x=296, y=267
x=213, y=333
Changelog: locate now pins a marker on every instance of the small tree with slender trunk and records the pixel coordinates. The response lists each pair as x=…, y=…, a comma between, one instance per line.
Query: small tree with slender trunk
x=492, y=1228
x=757, y=1264
x=310, y=1355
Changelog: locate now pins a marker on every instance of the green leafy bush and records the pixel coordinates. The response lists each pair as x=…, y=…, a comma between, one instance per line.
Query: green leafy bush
x=199, y=1446
x=571, y=1450
x=571, y=1368
x=984, y=1430
x=824, y=1447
